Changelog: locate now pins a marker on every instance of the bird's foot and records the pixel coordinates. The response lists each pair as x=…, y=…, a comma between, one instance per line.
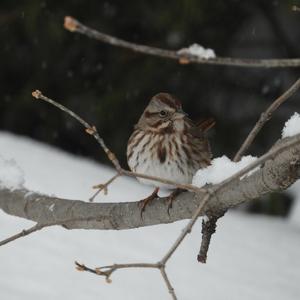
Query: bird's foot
x=171, y=198
x=143, y=203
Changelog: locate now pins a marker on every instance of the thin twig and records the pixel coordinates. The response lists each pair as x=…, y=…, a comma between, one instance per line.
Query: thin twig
x=188, y=187
x=93, y=131
x=264, y=117
x=22, y=233
x=74, y=25
x=107, y=271
x=168, y=283
x=104, y=186
x=187, y=229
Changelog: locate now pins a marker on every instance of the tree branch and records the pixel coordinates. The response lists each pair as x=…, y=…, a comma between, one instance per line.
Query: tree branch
x=280, y=169
x=92, y=130
x=107, y=271
x=74, y=25
x=168, y=283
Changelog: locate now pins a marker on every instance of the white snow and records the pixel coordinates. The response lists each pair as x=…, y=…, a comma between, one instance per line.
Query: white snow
x=291, y=126
x=51, y=207
x=11, y=176
x=220, y=169
x=199, y=51
x=250, y=257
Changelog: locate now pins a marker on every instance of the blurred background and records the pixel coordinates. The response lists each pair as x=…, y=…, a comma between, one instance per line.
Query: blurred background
x=110, y=87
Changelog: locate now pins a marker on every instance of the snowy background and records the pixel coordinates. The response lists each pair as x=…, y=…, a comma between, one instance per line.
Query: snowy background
x=251, y=257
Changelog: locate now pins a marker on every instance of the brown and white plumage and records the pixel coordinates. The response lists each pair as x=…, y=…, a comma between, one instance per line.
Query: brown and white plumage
x=167, y=144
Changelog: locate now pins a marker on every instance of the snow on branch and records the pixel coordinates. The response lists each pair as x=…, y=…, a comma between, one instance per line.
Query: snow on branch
x=292, y=126
x=74, y=25
x=220, y=169
x=11, y=176
x=198, y=51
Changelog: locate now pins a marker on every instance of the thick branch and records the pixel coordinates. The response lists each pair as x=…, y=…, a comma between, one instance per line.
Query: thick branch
x=279, y=172
x=73, y=25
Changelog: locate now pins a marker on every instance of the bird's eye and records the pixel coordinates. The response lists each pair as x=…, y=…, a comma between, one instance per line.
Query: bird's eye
x=163, y=113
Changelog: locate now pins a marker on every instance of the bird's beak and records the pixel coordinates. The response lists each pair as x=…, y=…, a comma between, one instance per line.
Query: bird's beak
x=180, y=114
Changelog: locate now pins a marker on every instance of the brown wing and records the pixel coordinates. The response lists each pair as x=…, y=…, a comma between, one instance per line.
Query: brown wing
x=199, y=141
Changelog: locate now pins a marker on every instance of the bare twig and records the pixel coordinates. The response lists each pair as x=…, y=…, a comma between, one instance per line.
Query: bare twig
x=168, y=283
x=35, y=228
x=104, y=186
x=188, y=187
x=93, y=131
x=74, y=25
x=187, y=229
x=107, y=271
x=264, y=117
x=22, y=233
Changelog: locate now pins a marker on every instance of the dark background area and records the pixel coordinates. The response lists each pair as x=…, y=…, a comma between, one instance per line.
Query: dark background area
x=110, y=87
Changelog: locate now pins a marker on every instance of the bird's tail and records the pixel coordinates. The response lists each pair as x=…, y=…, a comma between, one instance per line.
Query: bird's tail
x=206, y=124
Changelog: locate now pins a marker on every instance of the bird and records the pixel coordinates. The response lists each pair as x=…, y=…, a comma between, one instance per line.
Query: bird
x=165, y=143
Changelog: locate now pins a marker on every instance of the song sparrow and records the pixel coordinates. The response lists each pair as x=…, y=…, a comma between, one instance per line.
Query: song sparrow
x=166, y=143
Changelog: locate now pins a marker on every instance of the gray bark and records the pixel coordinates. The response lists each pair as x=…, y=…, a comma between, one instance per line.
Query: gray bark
x=276, y=174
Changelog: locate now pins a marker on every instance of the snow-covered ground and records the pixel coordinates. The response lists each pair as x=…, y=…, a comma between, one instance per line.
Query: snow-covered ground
x=251, y=257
